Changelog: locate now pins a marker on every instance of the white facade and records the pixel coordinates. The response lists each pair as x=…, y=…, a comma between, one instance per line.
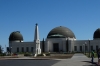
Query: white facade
x=48, y=45
x=20, y=45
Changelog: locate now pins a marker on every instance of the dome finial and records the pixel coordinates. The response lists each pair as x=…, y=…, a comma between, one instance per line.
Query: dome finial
x=18, y=31
x=36, y=24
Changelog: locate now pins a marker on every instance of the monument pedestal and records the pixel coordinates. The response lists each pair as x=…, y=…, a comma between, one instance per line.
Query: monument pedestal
x=35, y=55
x=37, y=52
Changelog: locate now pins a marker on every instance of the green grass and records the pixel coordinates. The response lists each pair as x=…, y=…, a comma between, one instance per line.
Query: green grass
x=95, y=55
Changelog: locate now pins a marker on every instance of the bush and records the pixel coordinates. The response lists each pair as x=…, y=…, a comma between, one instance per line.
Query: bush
x=27, y=54
x=65, y=52
x=71, y=52
x=47, y=54
x=8, y=54
x=21, y=53
x=2, y=54
x=95, y=55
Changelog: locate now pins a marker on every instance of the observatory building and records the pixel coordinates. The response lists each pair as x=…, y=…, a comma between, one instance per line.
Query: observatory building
x=59, y=39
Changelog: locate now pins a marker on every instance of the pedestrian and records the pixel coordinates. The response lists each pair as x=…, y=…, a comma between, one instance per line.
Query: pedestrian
x=99, y=57
x=92, y=56
x=97, y=53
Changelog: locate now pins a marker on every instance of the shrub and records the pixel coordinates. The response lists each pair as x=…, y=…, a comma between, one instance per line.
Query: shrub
x=47, y=54
x=8, y=54
x=27, y=54
x=21, y=53
x=72, y=52
x=2, y=54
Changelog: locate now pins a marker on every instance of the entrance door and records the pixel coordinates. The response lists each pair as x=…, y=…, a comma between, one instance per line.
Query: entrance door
x=55, y=47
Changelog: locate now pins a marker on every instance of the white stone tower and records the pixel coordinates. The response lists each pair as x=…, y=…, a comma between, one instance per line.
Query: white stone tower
x=37, y=41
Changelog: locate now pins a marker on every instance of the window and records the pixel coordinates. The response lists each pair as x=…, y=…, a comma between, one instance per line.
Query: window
x=81, y=48
x=27, y=49
x=91, y=48
x=22, y=49
x=86, y=48
x=75, y=48
x=97, y=47
x=31, y=49
x=17, y=49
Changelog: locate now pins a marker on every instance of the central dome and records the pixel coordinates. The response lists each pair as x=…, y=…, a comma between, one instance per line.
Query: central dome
x=61, y=32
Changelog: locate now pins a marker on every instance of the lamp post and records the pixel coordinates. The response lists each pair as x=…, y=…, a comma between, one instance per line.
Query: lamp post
x=85, y=48
x=89, y=47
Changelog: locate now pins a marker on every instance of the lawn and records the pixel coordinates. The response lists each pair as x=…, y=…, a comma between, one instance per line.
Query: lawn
x=62, y=56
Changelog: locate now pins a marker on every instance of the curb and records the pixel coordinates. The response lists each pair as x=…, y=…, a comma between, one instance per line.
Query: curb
x=30, y=59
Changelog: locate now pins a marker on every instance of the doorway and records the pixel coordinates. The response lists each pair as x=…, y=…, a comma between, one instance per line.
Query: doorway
x=55, y=47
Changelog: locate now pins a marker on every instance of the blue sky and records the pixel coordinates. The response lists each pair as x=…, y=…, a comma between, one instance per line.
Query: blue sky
x=81, y=16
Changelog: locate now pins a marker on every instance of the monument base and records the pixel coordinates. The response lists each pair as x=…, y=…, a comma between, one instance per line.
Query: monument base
x=35, y=55
x=37, y=51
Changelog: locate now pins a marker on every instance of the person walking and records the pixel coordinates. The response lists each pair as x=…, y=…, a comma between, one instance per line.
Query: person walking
x=92, y=56
x=97, y=53
x=99, y=56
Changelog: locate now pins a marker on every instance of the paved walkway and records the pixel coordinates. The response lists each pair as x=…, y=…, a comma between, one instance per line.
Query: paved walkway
x=76, y=60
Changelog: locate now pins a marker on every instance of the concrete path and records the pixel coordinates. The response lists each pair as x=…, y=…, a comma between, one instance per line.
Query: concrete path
x=76, y=60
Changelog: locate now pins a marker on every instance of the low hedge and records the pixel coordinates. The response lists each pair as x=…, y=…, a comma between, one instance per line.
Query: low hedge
x=3, y=54
x=47, y=54
x=27, y=54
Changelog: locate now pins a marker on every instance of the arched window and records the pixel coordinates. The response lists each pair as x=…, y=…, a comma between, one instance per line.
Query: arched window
x=22, y=49
x=27, y=49
x=91, y=48
x=32, y=49
x=81, y=48
x=17, y=49
x=75, y=48
x=97, y=47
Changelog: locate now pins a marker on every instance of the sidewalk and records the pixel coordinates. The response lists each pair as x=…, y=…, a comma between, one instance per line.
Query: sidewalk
x=76, y=60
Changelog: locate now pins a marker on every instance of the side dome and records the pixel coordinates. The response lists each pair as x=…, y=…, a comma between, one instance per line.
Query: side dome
x=61, y=32
x=97, y=34
x=16, y=36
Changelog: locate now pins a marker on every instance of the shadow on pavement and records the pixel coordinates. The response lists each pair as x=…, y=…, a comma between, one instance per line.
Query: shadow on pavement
x=27, y=62
x=92, y=64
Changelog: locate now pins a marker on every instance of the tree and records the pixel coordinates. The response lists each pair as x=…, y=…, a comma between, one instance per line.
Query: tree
x=43, y=44
x=1, y=49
